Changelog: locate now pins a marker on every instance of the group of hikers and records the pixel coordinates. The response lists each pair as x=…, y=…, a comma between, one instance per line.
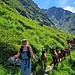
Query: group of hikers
x=26, y=54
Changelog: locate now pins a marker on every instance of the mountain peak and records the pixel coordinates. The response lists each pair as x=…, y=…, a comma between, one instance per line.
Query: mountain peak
x=63, y=18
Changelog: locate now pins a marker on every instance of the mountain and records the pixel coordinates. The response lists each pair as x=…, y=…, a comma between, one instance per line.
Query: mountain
x=63, y=19
x=14, y=27
x=29, y=9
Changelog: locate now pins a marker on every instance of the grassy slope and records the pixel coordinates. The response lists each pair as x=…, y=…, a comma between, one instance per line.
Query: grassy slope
x=14, y=27
x=29, y=9
x=67, y=66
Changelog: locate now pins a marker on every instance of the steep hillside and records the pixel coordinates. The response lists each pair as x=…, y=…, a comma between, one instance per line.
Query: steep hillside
x=66, y=67
x=63, y=19
x=14, y=27
x=29, y=9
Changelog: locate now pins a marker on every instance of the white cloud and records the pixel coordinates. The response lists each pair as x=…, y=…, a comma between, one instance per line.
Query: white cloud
x=38, y=6
x=72, y=9
x=74, y=2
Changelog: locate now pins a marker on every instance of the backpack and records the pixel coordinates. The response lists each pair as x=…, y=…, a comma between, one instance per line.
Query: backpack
x=28, y=52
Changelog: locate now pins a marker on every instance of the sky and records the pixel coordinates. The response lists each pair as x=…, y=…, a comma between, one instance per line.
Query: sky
x=65, y=4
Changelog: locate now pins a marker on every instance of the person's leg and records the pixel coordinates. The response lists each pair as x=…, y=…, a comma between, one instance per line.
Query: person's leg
x=28, y=69
x=23, y=68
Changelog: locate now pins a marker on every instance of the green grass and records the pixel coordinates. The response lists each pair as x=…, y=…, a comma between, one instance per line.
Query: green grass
x=14, y=27
x=67, y=67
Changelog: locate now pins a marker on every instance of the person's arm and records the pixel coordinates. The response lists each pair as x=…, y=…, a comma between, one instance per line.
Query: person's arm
x=31, y=53
x=17, y=55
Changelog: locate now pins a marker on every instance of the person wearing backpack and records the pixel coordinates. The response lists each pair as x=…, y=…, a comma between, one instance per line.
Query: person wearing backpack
x=26, y=53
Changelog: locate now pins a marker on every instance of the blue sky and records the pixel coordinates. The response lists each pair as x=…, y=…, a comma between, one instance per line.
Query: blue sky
x=65, y=4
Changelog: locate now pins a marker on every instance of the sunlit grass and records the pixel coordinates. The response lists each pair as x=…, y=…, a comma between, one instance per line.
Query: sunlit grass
x=15, y=27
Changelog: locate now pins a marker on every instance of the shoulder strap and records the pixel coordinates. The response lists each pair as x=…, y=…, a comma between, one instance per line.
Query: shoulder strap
x=28, y=52
x=21, y=49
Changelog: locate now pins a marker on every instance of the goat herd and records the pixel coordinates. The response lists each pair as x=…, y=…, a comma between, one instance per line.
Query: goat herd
x=58, y=55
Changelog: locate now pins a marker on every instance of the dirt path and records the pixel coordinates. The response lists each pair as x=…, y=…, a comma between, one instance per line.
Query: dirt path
x=44, y=72
x=49, y=67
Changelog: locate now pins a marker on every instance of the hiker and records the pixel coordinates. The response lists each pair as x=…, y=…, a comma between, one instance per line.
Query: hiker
x=44, y=59
x=25, y=52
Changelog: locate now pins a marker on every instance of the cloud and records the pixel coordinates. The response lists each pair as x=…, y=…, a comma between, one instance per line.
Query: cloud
x=38, y=6
x=72, y=9
x=74, y=2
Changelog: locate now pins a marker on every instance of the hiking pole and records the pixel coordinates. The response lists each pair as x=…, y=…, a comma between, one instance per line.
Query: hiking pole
x=14, y=66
